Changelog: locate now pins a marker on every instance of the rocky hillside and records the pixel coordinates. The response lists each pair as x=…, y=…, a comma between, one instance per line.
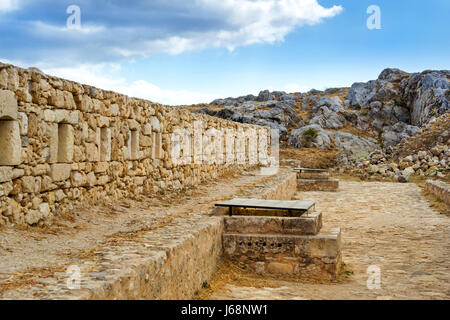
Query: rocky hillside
x=426, y=153
x=357, y=121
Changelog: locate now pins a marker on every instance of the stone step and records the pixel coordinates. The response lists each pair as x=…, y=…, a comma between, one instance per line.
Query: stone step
x=313, y=175
x=308, y=224
x=308, y=256
x=317, y=185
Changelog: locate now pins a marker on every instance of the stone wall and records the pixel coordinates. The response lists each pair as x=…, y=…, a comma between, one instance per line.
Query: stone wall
x=62, y=143
x=170, y=262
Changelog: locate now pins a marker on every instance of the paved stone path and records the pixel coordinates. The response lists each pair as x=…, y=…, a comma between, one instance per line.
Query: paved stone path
x=387, y=225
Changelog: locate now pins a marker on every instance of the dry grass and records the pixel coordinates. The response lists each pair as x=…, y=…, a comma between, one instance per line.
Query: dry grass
x=348, y=128
x=28, y=278
x=428, y=138
x=230, y=273
x=311, y=157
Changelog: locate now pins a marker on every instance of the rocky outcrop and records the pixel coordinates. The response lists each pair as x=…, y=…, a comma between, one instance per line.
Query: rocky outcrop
x=427, y=95
x=389, y=110
x=315, y=136
x=426, y=153
x=421, y=95
x=276, y=114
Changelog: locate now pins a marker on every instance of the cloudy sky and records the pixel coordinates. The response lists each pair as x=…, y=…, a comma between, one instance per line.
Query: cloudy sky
x=191, y=51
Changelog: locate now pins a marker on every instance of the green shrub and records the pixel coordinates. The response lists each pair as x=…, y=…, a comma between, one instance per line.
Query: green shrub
x=309, y=136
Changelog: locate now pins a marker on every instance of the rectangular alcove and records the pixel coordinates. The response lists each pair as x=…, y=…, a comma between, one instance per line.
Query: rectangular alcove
x=10, y=143
x=65, y=143
x=134, y=145
x=105, y=144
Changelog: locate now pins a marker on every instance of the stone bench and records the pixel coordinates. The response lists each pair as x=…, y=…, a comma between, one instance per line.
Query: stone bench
x=260, y=207
x=305, y=225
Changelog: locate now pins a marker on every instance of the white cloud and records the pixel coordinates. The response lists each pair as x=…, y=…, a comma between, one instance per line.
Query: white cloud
x=47, y=29
x=173, y=27
x=248, y=21
x=8, y=5
x=295, y=87
x=146, y=90
x=107, y=76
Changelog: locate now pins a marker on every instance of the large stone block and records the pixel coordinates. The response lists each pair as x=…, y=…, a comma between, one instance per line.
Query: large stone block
x=306, y=225
x=66, y=116
x=156, y=125
x=8, y=105
x=308, y=256
x=31, y=184
x=6, y=174
x=313, y=175
x=317, y=185
x=10, y=143
x=23, y=120
x=60, y=171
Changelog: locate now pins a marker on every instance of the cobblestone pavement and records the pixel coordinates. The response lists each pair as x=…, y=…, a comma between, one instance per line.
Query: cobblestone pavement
x=387, y=225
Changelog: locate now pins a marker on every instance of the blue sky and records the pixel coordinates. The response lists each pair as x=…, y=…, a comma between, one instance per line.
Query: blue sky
x=190, y=51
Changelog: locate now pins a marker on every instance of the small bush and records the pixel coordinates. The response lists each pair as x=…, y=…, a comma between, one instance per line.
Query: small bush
x=309, y=136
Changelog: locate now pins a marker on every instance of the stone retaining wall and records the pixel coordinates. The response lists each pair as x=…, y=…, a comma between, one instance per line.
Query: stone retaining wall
x=281, y=186
x=170, y=262
x=439, y=189
x=62, y=143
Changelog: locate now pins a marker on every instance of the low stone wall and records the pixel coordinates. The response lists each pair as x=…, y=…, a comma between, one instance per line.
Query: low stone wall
x=280, y=187
x=64, y=143
x=317, y=185
x=440, y=189
x=169, y=263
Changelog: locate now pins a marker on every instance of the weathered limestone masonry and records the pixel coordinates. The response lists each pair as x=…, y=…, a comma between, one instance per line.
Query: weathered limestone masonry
x=62, y=143
x=171, y=262
x=286, y=246
x=439, y=189
x=283, y=186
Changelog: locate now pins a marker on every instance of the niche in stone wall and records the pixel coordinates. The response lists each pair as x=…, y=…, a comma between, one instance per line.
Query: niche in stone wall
x=157, y=151
x=105, y=144
x=134, y=144
x=10, y=143
x=65, y=143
